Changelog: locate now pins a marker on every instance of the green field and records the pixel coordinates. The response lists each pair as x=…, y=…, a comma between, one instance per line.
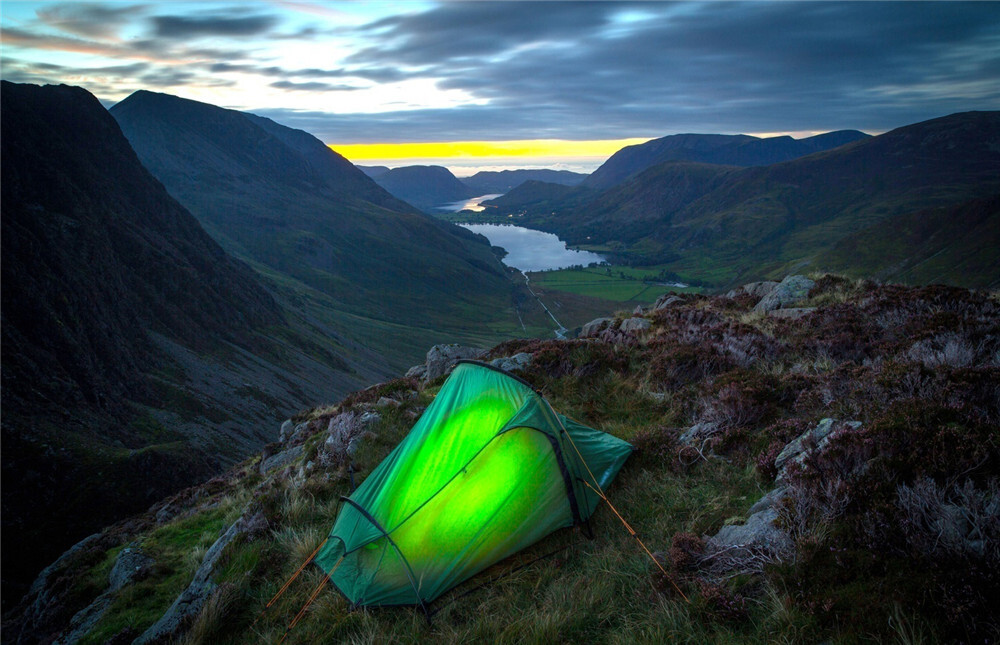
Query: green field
x=622, y=284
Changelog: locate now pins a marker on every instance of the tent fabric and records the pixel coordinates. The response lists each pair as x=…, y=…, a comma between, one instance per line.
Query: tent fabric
x=486, y=471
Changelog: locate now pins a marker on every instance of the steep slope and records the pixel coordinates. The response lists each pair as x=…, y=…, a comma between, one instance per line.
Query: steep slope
x=424, y=186
x=373, y=171
x=731, y=150
x=539, y=196
x=284, y=201
x=489, y=182
x=138, y=357
x=739, y=223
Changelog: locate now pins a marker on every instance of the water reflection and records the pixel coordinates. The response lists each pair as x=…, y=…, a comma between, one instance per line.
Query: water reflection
x=529, y=250
x=467, y=204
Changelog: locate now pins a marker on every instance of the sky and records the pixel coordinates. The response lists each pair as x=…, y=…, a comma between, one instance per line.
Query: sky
x=522, y=84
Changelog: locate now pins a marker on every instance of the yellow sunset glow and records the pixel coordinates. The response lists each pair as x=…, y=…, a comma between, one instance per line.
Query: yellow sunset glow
x=460, y=149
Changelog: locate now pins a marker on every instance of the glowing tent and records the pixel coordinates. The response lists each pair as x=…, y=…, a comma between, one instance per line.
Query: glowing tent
x=487, y=470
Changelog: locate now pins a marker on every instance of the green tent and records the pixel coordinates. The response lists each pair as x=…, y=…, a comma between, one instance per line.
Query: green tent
x=487, y=470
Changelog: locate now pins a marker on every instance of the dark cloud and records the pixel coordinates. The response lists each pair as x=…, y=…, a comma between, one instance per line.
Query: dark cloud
x=216, y=25
x=89, y=19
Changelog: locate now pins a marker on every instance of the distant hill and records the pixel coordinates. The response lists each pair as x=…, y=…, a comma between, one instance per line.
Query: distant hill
x=489, y=182
x=280, y=198
x=537, y=196
x=723, y=223
x=373, y=171
x=138, y=356
x=730, y=150
x=424, y=186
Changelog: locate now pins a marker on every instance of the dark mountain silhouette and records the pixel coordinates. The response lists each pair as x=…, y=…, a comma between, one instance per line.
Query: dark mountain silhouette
x=538, y=196
x=283, y=200
x=424, y=186
x=138, y=357
x=730, y=223
x=489, y=182
x=730, y=150
x=373, y=171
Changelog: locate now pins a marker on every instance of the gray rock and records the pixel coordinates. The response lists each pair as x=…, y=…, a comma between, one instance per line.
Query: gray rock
x=132, y=564
x=792, y=313
x=512, y=363
x=813, y=440
x=698, y=432
x=790, y=290
x=385, y=401
x=594, y=327
x=759, y=289
x=417, y=371
x=771, y=500
x=639, y=310
x=441, y=358
x=758, y=536
x=187, y=605
x=666, y=300
x=634, y=325
x=282, y=459
x=286, y=431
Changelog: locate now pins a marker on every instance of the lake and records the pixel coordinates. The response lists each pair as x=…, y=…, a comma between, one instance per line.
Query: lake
x=529, y=250
x=467, y=204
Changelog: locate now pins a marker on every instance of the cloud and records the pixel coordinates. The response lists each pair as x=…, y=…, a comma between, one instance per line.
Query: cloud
x=182, y=27
x=89, y=19
x=313, y=86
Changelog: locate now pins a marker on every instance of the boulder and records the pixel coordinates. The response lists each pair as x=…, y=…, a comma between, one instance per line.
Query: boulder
x=441, y=358
x=417, y=371
x=634, y=325
x=790, y=290
x=512, y=363
x=758, y=537
x=595, y=327
x=131, y=565
x=281, y=459
x=811, y=441
x=286, y=431
x=666, y=300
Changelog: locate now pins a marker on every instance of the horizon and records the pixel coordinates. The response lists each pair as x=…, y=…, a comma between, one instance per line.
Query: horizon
x=390, y=75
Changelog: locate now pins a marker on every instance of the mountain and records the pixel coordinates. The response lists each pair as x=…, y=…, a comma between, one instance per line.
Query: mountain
x=424, y=186
x=138, y=356
x=721, y=224
x=391, y=277
x=790, y=469
x=540, y=196
x=728, y=150
x=489, y=182
x=373, y=171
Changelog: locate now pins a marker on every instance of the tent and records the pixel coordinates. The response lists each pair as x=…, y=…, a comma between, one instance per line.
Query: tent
x=489, y=469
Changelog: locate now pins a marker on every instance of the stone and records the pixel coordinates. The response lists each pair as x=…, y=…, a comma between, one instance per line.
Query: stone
x=634, y=325
x=812, y=440
x=417, y=371
x=384, y=402
x=281, y=459
x=697, y=432
x=131, y=565
x=771, y=500
x=666, y=300
x=758, y=289
x=512, y=363
x=286, y=431
x=792, y=313
x=441, y=358
x=759, y=535
x=639, y=310
x=594, y=327
x=790, y=290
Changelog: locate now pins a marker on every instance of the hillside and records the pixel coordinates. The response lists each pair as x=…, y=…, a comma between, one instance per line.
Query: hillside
x=426, y=187
x=807, y=473
x=389, y=276
x=724, y=225
x=373, y=171
x=490, y=182
x=539, y=196
x=722, y=149
x=138, y=357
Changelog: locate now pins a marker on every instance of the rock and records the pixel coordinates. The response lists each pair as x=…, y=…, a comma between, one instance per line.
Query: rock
x=280, y=460
x=666, y=300
x=639, y=310
x=697, y=432
x=187, y=605
x=792, y=289
x=594, y=327
x=813, y=440
x=512, y=363
x=759, y=536
x=132, y=564
x=771, y=500
x=758, y=289
x=441, y=358
x=286, y=431
x=634, y=325
x=792, y=313
x=385, y=401
x=417, y=371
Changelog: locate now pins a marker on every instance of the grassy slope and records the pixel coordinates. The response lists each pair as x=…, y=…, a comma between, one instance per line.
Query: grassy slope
x=880, y=355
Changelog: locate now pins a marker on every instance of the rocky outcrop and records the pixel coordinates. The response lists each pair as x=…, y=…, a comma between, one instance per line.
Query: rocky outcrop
x=190, y=601
x=595, y=327
x=666, y=300
x=441, y=359
x=754, y=289
x=512, y=363
x=789, y=291
x=634, y=325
